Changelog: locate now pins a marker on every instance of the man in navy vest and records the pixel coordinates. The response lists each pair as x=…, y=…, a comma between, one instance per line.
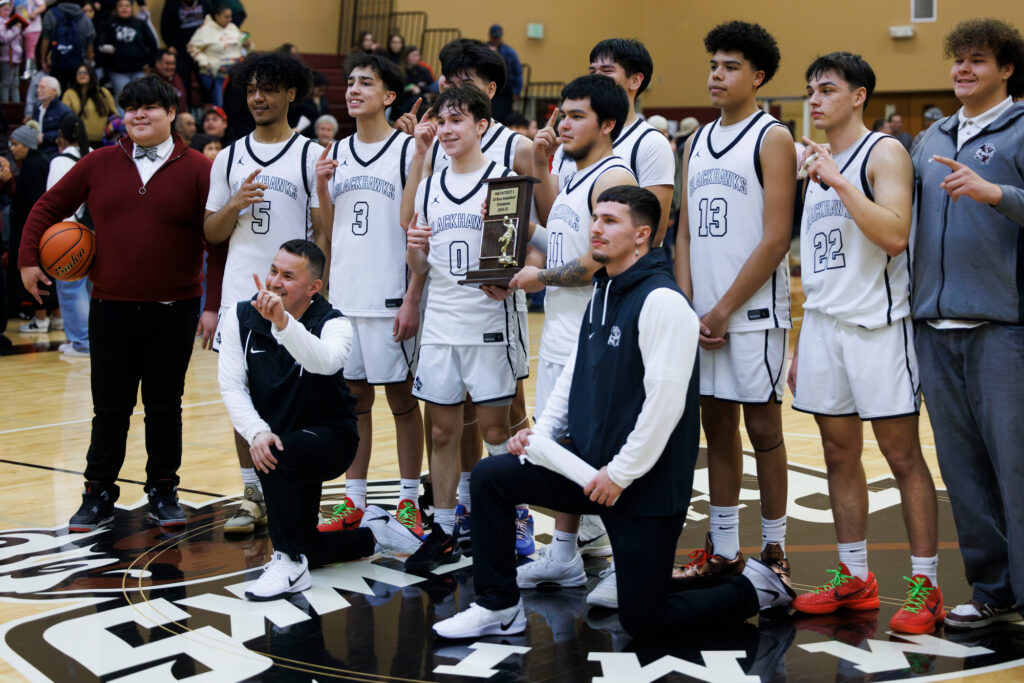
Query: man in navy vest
x=280, y=373
x=628, y=399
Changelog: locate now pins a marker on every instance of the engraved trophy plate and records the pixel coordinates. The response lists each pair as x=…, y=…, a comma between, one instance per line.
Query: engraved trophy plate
x=505, y=231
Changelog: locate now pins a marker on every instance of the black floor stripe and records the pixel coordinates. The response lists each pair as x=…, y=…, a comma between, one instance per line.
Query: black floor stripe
x=82, y=474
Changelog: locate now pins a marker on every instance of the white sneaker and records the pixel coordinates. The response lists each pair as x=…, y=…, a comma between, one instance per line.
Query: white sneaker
x=772, y=591
x=592, y=540
x=35, y=325
x=547, y=570
x=479, y=621
x=74, y=353
x=606, y=593
x=281, y=577
x=65, y=347
x=57, y=324
x=392, y=536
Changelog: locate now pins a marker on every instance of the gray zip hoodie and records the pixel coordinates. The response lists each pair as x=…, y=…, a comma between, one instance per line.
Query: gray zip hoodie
x=969, y=257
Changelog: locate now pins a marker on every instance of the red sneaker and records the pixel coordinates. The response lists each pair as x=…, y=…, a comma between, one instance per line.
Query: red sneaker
x=345, y=515
x=409, y=515
x=922, y=610
x=842, y=591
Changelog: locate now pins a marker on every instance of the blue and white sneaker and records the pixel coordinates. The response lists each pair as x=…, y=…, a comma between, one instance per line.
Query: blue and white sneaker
x=524, y=533
x=462, y=531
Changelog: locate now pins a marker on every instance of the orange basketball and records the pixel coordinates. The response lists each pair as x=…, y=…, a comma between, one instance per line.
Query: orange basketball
x=66, y=250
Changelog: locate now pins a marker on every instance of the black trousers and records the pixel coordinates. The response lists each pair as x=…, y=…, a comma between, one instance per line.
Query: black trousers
x=133, y=343
x=292, y=490
x=644, y=550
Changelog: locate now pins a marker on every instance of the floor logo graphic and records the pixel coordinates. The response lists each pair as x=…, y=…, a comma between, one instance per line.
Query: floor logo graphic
x=145, y=604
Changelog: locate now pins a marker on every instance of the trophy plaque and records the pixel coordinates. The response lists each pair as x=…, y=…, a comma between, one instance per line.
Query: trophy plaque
x=506, y=231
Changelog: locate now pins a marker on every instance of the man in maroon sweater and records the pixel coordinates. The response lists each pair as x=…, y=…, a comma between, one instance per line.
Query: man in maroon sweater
x=147, y=197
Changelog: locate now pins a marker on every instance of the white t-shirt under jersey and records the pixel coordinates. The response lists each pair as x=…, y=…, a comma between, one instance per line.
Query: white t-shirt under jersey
x=725, y=204
x=368, y=270
x=846, y=275
x=456, y=314
x=281, y=216
x=645, y=150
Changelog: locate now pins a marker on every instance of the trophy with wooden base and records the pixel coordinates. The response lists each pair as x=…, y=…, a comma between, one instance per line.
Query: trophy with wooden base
x=506, y=231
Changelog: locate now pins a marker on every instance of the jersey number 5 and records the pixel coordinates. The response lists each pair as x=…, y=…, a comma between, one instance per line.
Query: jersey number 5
x=713, y=214
x=362, y=221
x=828, y=251
x=261, y=218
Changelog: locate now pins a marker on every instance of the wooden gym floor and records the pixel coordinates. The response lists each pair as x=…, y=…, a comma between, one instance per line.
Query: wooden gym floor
x=45, y=413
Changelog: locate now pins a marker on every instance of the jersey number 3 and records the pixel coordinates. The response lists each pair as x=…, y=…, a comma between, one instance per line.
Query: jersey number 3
x=713, y=213
x=361, y=223
x=828, y=251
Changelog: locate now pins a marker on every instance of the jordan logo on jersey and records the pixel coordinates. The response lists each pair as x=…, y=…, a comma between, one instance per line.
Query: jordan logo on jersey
x=436, y=200
x=344, y=161
x=240, y=160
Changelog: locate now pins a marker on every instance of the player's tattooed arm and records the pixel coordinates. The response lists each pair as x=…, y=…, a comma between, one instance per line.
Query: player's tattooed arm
x=572, y=274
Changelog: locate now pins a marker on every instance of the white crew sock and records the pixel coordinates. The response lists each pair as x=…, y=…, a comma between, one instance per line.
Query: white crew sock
x=495, y=448
x=563, y=546
x=250, y=478
x=725, y=530
x=464, y=490
x=925, y=566
x=445, y=518
x=411, y=490
x=355, y=490
x=855, y=557
x=774, y=531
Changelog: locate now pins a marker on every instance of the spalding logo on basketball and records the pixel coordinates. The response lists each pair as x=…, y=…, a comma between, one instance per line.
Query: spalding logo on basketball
x=66, y=250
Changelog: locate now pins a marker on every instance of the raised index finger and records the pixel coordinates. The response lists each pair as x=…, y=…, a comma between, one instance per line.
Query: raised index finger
x=955, y=165
x=812, y=144
x=327, y=150
x=252, y=176
x=416, y=106
x=552, y=118
x=259, y=285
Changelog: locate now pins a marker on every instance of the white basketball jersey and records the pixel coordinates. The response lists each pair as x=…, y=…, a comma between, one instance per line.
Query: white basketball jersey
x=725, y=205
x=568, y=238
x=845, y=274
x=368, y=270
x=645, y=150
x=289, y=171
x=498, y=144
x=459, y=315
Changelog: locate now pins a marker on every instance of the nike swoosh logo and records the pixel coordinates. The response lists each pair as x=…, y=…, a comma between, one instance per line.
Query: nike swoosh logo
x=292, y=582
x=257, y=350
x=505, y=627
x=843, y=596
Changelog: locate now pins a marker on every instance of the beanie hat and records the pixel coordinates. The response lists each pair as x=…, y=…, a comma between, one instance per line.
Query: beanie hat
x=26, y=136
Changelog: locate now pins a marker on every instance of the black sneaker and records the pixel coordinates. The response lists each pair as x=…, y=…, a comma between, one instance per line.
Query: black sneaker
x=438, y=548
x=97, y=507
x=163, y=504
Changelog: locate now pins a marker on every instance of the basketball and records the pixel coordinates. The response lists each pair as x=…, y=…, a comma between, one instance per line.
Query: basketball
x=66, y=250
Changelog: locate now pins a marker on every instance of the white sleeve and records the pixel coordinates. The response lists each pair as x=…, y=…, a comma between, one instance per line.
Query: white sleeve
x=655, y=162
x=421, y=191
x=323, y=355
x=554, y=422
x=220, y=192
x=234, y=380
x=312, y=155
x=58, y=167
x=668, y=345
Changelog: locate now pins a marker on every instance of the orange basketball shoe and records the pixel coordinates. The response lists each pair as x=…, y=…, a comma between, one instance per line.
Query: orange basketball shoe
x=345, y=515
x=409, y=515
x=922, y=610
x=843, y=591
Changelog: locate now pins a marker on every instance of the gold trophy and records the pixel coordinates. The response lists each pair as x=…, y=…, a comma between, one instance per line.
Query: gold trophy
x=505, y=231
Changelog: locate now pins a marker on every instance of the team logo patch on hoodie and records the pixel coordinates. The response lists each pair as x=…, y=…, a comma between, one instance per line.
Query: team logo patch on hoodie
x=615, y=337
x=984, y=153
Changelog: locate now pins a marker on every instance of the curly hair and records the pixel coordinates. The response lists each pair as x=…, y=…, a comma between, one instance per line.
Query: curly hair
x=751, y=40
x=273, y=70
x=1001, y=38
